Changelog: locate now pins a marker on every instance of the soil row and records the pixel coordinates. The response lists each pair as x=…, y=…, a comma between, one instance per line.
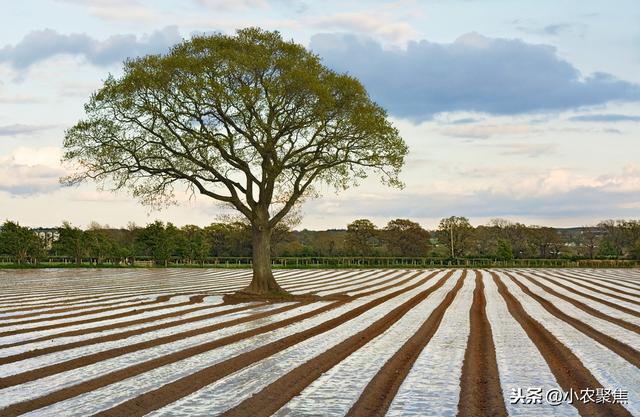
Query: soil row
x=234, y=363
x=567, y=368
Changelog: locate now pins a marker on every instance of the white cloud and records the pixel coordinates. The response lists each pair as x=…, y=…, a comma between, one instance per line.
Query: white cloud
x=233, y=5
x=485, y=131
x=21, y=129
x=116, y=10
x=379, y=25
x=39, y=45
x=27, y=171
x=532, y=150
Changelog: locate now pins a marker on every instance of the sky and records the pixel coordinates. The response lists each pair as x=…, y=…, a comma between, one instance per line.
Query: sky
x=527, y=110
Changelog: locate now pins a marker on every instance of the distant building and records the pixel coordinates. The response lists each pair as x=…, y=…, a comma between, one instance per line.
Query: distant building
x=48, y=235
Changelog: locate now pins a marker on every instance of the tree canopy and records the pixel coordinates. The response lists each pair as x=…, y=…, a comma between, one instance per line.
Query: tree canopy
x=251, y=120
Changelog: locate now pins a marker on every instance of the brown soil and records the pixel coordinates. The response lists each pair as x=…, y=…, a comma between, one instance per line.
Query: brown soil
x=247, y=297
x=193, y=300
x=171, y=392
x=345, y=284
x=119, y=336
x=278, y=393
x=622, y=284
x=70, y=364
x=112, y=326
x=167, y=325
x=590, y=288
x=84, y=313
x=605, y=283
x=135, y=332
x=567, y=368
x=380, y=391
x=622, y=349
x=597, y=313
x=66, y=309
x=589, y=296
x=480, y=389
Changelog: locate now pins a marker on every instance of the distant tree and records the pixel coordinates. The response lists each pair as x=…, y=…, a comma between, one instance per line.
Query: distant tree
x=484, y=241
x=193, y=244
x=589, y=241
x=456, y=233
x=518, y=235
x=405, y=238
x=229, y=239
x=544, y=239
x=19, y=242
x=158, y=241
x=251, y=120
x=613, y=238
x=99, y=245
x=72, y=242
x=504, y=251
x=360, y=238
x=635, y=250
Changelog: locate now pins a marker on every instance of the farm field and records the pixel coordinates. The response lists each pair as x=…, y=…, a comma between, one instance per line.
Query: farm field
x=434, y=342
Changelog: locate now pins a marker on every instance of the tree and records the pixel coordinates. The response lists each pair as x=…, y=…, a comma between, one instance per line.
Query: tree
x=613, y=238
x=503, y=250
x=229, y=239
x=193, y=244
x=589, y=240
x=405, y=238
x=251, y=120
x=99, y=246
x=19, y=242
x=545, y=239
x=360, y=237
x=72, y=242
x=158, y=241
x=456, y=233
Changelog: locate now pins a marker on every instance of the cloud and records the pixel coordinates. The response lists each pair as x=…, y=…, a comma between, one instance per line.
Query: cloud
x=606, y=118
x=20, y=129
x=116, y=10
x=366, y=23
x=233, y=5
x=532, y=150
x=554, y=29
x=485, y=131
x=27, y=171
x=474, y=73
x=553, y=194
x=42, y=44
x=19, y=99
x=465, y=121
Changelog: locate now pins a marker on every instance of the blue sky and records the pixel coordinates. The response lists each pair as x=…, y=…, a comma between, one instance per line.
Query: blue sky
x=526, y=110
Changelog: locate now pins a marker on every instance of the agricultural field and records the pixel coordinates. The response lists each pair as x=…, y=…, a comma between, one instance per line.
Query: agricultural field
x=517, y=342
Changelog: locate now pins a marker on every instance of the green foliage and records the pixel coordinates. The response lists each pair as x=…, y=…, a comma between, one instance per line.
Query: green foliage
x=73, y=242
x=405, y=238
x=251, y=120
x=361, y=237
x=158, y=241
x=455, y=233
x=19, y=242
x=504, y=251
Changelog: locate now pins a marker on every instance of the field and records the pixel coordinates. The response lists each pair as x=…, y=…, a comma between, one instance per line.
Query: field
x=517, y=342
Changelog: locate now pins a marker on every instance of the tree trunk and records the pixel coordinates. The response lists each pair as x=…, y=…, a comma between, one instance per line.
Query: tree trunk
x=263, y=281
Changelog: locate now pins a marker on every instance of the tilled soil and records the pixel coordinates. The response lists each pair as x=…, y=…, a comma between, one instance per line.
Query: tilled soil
x=600, y=294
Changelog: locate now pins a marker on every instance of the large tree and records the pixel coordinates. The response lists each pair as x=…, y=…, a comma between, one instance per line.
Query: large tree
x=455, y=233
x=251, y=120
x=405, y=238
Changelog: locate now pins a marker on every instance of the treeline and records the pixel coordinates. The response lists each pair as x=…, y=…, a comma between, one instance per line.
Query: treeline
x=455, y=238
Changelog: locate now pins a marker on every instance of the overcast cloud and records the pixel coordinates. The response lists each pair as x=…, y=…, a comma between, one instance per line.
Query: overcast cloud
x=39, y=45
x=474, y=73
